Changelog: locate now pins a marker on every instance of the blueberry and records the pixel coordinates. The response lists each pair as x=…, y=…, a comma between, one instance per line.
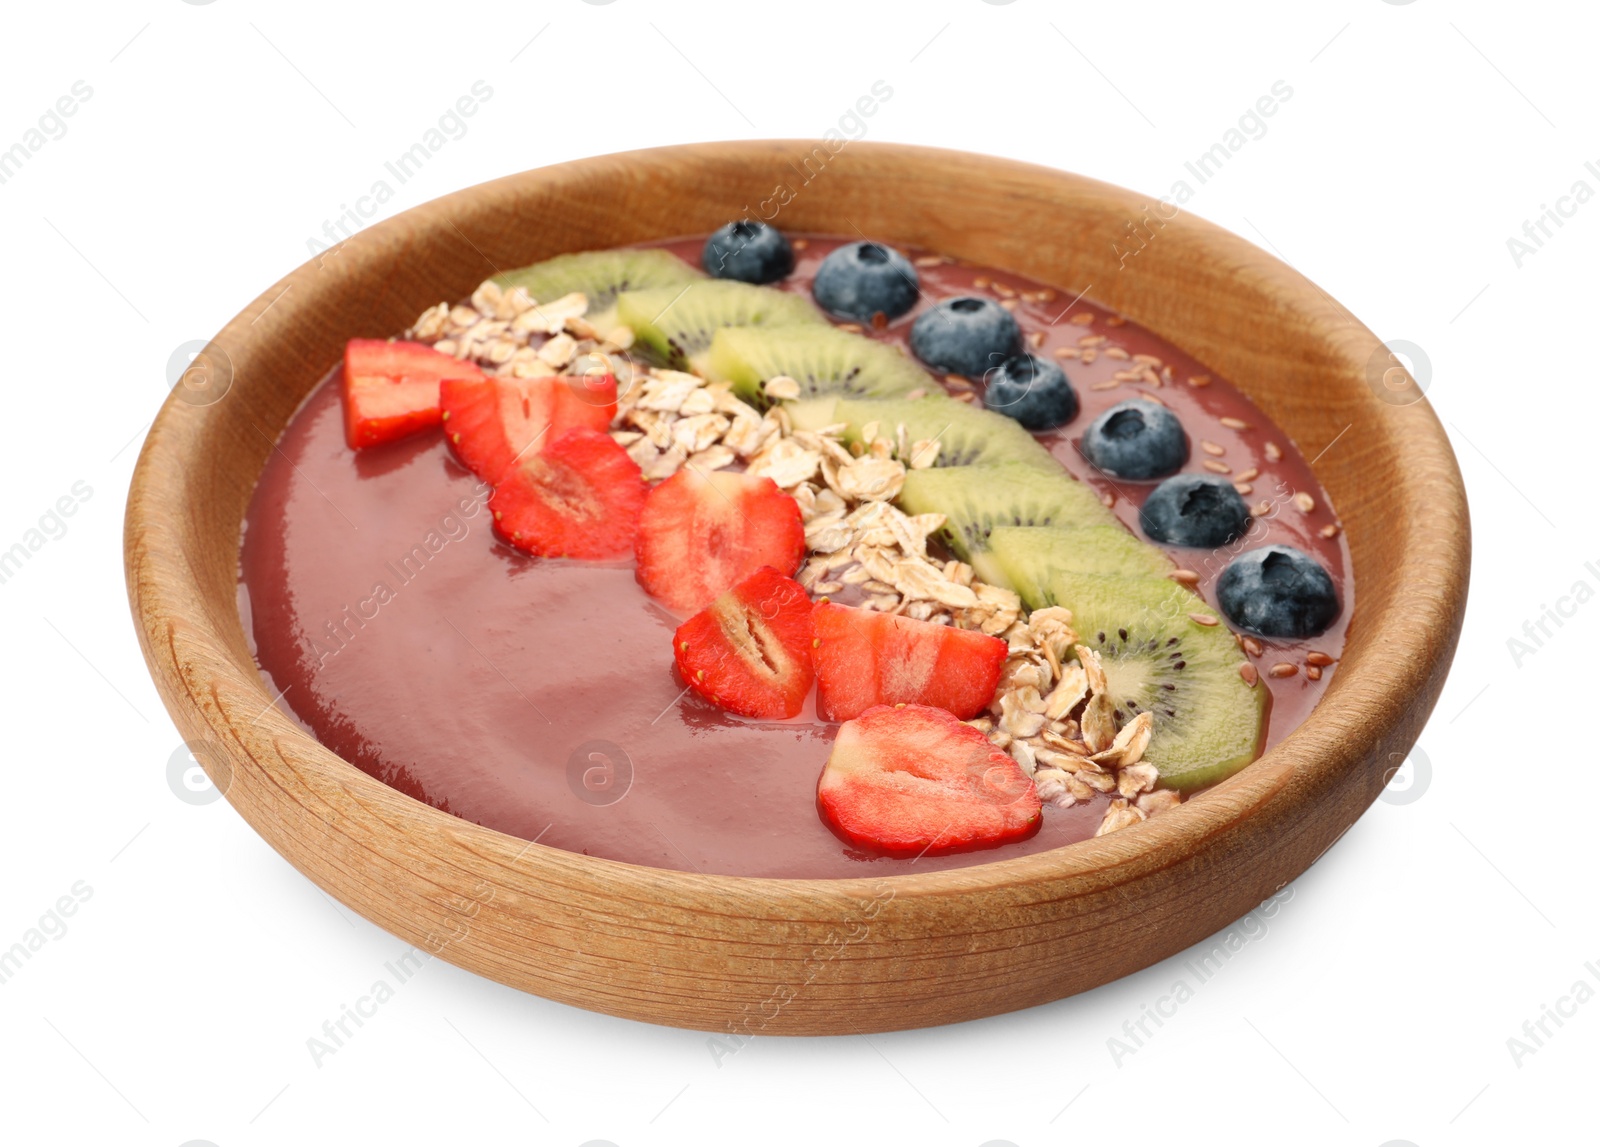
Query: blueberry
x=860, y=280
x=1194, y=510
x=1278, y=591
x=1137, y=440
x=965, y=336
x=749, y=252
x=1032, y=390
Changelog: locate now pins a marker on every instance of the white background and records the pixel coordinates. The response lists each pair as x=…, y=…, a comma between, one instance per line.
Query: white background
x=1374, y=1006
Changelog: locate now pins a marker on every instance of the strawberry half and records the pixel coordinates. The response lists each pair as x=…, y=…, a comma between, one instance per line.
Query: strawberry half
x=391, y=389
x=701, y=534
x=578, y=498
x=749, y=651
x=910, y=780
x=492, y=422
x=864, y=658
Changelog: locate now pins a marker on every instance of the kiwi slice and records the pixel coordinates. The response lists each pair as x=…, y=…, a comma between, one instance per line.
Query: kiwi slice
x=601, y=275
x=1031, y=555
x=1208, y=721
x=675, y=324
x=967, y=435
x=977, y=499
x=822, y=359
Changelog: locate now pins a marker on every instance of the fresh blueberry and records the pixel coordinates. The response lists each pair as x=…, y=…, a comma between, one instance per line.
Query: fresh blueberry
x=860, y=280
x=1032, y=390
x=1278, y=591
x=965, y=335
x=1136, y=440
x=1194, y=510
x=749, y=252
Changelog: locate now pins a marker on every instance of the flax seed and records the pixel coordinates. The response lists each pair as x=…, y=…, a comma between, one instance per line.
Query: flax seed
x=1234, y=423
x=1283, y=669
x=1304, y=502
x=1009, y=304
x=1004, y=291
x=1091, y=340
x=1126, y=376
x=1245, y=489
x=1329, y=531
x=1217, y=467
x=1212, y=448
x=1251, y=646
x=1272, y=452
x=1067, y=352
x=1111, y=384
x=1147, y=359
x=1202, y=619
x=1047, y=295
x=1115, y=320
x=1117, y=352
x=1036, y=339
x=853, y=328
x=1090, y=355
x=980, y=282
x=1082, y=319
x=1187, y=577
x=1151, y=398
x=1109, y=500
x=1200, y=380
x=1248, y=672
x=928, y=260
x=1261, y=509
x=1313, y=673
x=1249, y=475
x=1317, y=657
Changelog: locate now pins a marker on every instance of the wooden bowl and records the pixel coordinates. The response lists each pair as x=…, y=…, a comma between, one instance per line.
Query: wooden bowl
x=810, y=956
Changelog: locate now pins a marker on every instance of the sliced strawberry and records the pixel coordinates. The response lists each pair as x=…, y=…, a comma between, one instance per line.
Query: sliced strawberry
x=749, y=651
x=864, y=658
x=700, y=534
x=391, y=389
x=494, y=421
x=910, y=780
x=577, y=498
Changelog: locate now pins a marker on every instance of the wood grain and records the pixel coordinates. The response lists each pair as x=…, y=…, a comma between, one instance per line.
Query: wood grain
x=795, y=956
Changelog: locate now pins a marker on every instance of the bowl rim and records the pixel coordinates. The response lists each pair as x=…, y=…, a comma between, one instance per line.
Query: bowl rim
x=1372, y=702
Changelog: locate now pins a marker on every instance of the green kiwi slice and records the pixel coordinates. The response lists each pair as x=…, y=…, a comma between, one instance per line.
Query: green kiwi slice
x=967, y=435
x=977, y=499
x=1031, y=555
x=602, y=276
x=676, y=324
x=822, y=359
x=1208, y=721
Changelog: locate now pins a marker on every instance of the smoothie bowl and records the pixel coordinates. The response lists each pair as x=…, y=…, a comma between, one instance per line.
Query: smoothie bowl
x=714, y=589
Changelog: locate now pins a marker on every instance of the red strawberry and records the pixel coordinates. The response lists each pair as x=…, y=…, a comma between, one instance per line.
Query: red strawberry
x=750, y=650
x=864, y=658
x=702, y=533
x=578, y=498
x=910, y=780
x=391, y=389
x=494, y=421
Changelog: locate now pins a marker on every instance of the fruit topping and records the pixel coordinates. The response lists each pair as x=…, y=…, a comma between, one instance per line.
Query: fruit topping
x=977, y=499
x=749, y=651
x=702, y=533
x=965, y=335
x=958, y=434
x=914, y=781
x=861, y=281
x=1278, y=591
x=676, y=324
x=391, y=389
x=865, y=658
x=1033, y=390
x=749, y=251
x=579, y=497
x=1030, y=556
x=491, y=422
x=1137, y=440
x=1163, y=653
x=1194, y=510
x=823, y=360
x=601, y=276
